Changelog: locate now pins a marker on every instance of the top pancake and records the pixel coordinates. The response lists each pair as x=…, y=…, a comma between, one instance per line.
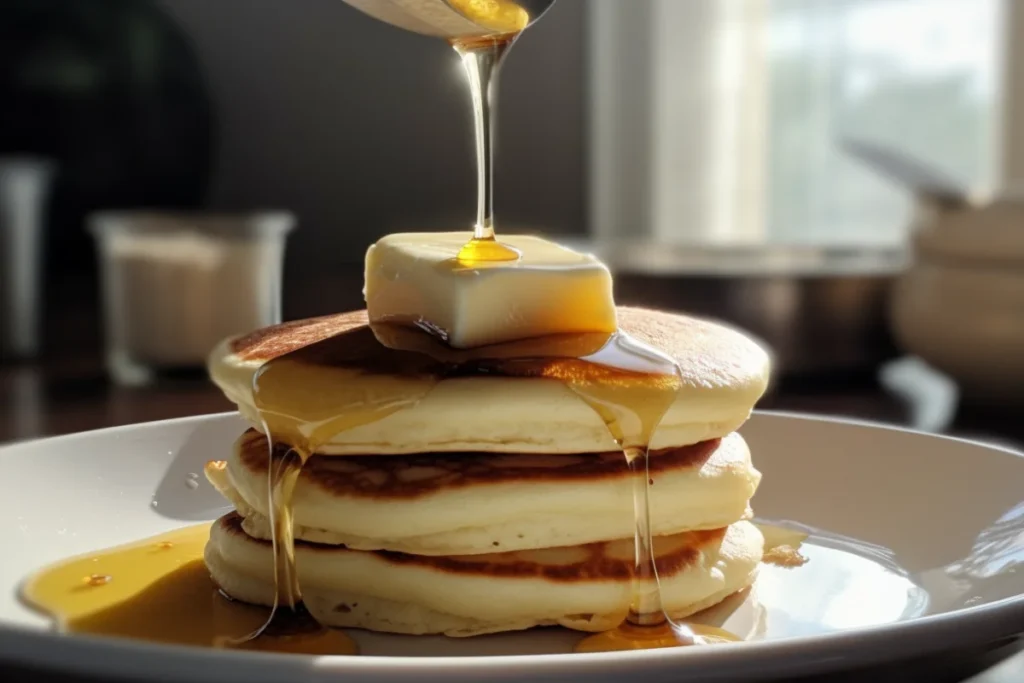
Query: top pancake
x=724, y=373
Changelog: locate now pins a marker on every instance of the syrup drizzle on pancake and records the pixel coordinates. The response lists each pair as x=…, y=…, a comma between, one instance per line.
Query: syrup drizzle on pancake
x=304, y=405
x=359, y=376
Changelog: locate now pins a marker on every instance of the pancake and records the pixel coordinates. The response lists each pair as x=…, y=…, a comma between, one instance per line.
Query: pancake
x=469, y=503
x=724, y=374
x=586, y=588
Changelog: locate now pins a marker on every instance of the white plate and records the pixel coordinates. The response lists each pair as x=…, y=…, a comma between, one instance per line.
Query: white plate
x=917, y=549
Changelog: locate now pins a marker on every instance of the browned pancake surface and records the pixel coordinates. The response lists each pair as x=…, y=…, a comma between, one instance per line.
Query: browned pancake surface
x=595, y=561
x=421, y=474
x=671, y=333
x=270, y=342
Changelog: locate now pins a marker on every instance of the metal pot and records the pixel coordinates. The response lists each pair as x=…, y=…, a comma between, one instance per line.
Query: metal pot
x=821, y=310
x=960, y=306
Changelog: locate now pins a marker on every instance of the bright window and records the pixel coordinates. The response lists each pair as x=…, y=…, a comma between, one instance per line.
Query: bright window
x=733, y=136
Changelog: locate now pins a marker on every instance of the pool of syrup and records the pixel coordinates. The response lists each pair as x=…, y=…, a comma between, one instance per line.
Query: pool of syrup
x=159, y=589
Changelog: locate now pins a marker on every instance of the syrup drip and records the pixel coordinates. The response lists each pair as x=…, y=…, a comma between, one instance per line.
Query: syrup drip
x=304, y=406
x=632, y=403
x=284, y=475
x=481, y=59
x=159, y=590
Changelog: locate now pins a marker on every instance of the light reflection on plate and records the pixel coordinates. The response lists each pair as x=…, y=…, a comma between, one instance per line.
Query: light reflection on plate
x=839, y=588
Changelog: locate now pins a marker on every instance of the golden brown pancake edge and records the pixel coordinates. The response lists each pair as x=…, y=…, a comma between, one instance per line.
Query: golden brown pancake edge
x=669, y=332
x=405, y=476
x=675, y=554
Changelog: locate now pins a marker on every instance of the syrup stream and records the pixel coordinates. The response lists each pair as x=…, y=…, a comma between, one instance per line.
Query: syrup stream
x=481, y=59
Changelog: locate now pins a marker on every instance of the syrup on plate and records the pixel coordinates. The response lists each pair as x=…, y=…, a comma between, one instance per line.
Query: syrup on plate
x=159, y=589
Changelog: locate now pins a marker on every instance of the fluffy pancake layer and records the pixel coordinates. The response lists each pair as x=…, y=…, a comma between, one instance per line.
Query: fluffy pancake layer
x=470, y=503
x=583, y=587
x=724, y=374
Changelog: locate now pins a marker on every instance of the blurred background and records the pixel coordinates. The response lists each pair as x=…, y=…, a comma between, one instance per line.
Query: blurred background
x=838, y=177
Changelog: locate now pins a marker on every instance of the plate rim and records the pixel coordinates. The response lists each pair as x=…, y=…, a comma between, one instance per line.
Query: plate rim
x=799, y=654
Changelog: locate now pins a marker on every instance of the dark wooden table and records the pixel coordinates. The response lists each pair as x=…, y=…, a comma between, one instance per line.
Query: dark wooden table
x=71, y=395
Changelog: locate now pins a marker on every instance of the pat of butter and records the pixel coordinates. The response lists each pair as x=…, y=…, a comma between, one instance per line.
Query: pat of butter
x=415, y=277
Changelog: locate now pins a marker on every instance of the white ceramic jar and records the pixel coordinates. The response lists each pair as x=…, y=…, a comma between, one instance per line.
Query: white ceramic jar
x=174, y=285
x=960, y=305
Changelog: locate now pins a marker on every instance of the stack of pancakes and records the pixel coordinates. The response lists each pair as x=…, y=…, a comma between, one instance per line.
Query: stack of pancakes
x=498, y=503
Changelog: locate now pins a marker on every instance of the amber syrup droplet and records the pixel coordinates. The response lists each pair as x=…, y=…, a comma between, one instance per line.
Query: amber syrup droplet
x=95, y=580
x=477, y=251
